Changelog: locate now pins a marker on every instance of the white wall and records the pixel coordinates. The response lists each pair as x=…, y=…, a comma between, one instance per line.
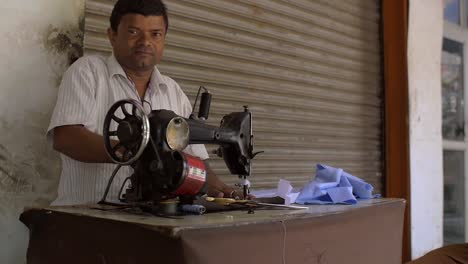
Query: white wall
x=37, y=37
x=424, y=58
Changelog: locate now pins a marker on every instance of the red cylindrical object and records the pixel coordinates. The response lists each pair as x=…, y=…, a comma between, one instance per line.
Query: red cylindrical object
x=194, y=176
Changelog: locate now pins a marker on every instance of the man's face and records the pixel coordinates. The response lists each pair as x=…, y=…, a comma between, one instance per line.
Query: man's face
x=138, y=43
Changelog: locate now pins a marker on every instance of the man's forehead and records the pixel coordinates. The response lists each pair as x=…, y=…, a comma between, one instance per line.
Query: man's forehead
x=134, y=19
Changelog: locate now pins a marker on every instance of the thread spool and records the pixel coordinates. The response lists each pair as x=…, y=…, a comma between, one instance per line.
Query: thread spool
x=205, y=103
x=193, y=208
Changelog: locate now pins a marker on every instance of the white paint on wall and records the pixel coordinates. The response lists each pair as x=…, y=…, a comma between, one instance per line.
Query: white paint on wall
x=424, y=60
x=34, y=52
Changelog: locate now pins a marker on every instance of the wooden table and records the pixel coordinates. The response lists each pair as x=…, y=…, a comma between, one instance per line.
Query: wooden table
x=369, y=232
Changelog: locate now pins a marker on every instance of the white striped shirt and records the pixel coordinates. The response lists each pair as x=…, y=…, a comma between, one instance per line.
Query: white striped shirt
x=88, y=89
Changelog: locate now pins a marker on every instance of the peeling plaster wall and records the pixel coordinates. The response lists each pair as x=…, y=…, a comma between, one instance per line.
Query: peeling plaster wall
x=39, y=39
x=424, y=60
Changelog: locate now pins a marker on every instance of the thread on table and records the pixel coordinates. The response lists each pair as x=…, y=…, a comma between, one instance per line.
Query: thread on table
x=283, y=224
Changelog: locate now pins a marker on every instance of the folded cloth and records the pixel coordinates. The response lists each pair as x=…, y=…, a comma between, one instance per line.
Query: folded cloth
x=332, y=185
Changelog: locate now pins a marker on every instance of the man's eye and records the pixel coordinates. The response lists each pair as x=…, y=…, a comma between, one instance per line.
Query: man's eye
x=132, y=31
x=157, y=34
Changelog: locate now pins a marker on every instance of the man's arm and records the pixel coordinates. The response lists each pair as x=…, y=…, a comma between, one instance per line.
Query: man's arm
x=80, y=144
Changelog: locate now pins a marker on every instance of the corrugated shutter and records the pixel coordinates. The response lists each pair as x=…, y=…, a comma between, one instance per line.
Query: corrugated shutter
x=310, y=72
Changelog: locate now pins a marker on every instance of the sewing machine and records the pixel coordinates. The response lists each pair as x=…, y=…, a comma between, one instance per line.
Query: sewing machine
x=152, y=144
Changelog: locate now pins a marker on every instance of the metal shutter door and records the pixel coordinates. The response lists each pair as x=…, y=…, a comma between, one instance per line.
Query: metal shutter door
x=310, y=71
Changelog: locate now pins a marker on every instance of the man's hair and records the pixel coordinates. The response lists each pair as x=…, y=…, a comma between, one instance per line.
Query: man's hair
x=142, y=7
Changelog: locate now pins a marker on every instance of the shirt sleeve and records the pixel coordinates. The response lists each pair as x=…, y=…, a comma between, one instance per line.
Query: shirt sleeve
x=76, y=98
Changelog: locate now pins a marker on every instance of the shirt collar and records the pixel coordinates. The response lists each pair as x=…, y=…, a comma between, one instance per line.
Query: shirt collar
x=114, y=67
x=155, y=81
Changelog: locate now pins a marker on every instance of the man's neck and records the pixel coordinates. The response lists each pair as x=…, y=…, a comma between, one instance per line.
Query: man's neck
x=141, y=80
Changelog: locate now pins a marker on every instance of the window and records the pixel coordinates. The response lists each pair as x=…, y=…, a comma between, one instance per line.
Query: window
x=454, y=200
x=454, y=117
x=452, y=11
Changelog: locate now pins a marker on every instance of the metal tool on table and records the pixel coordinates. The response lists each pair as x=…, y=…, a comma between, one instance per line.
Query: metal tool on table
x=252, y=203
x=152, y=144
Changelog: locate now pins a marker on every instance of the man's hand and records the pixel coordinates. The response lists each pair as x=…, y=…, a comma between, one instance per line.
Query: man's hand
x=229, y=193
x=218, y=189
x=80, y=144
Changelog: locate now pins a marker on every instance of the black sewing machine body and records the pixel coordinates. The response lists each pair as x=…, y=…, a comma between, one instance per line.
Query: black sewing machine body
x=153, y=145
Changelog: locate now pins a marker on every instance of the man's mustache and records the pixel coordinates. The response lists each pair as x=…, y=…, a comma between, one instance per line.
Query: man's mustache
x=144, y=49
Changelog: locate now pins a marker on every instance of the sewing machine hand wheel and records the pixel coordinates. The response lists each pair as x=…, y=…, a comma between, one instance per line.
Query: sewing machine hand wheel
x=133, y=131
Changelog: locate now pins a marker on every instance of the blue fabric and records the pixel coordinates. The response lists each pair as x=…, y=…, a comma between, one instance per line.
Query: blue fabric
x=332, y=185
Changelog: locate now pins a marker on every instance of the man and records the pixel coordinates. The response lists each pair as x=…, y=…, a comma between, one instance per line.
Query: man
x=92, y=84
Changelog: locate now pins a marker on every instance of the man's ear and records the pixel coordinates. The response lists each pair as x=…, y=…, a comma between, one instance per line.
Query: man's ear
x=111, y=36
